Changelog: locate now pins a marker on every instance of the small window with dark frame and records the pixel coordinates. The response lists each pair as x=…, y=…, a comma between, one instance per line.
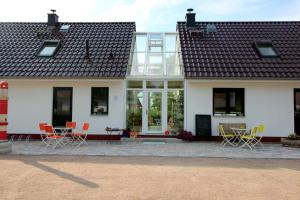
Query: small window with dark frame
x=48, y=48
x=266, y=49
x=229, y=101
x=99, y=101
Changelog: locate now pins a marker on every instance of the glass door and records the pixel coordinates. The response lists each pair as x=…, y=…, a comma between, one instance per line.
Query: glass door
x=62, y=106
x=297, y=111
x=154, y=112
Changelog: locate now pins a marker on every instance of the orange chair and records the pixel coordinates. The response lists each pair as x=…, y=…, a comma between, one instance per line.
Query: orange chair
x=42, y=130
x=80, y=138
x=57, y=140
x=71, y=125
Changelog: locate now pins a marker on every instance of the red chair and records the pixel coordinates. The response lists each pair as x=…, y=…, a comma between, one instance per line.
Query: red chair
x=43, y=133
x=57, y=140
x=80, y=138
x=71, y=125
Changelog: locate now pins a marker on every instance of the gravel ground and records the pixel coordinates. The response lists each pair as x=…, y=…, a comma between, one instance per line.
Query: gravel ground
x=133, y=178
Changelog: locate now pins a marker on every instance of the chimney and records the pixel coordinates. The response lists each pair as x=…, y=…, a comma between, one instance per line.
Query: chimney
x=52, y=19
x=190, y=18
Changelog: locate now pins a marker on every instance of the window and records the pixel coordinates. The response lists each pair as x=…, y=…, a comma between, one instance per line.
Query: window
x=175, y=85
x=48, y=48
x=135, y=84
x=99, y=101
x=155, y=84
x=266, y=49
x=64, y=28
x=228, y=101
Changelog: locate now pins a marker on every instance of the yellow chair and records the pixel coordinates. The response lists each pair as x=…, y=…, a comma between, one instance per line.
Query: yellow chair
x=250, y=140
x=261, y=129
x=227, y=138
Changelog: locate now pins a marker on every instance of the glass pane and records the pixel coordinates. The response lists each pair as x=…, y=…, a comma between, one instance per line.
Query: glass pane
x=267, y=51
x=173, y=70
x=99, y=101
x=170, y=41
x=138, y=64
x=154, y=111
x=171, y=58
x=298, y=101
x=236, y=102
x=134, y=110
x=175, y=111
x=172, y=63
x=135, y=84
x=140, y=58
x=63, y=102
x=155, y=36
x=220, y=102
x=155, y=70
x=297, y=112
x=155, y=39
x=64, y=28
x=175, y=84
x=155, y=59
x=141, y=43
x=155, y=84
x=47, y=50
x=155, y=49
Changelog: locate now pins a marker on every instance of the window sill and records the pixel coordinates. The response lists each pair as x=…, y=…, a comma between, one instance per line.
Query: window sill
x=98, y=115
x=228, y=115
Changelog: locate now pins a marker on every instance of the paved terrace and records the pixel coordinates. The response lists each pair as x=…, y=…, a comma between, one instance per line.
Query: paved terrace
x=163, y=148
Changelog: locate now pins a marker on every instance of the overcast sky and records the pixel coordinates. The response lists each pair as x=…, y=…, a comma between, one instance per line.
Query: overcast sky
x=149, y=15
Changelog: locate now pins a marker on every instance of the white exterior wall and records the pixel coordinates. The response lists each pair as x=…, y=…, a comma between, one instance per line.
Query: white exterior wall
x=30, y=102
x=270, y=103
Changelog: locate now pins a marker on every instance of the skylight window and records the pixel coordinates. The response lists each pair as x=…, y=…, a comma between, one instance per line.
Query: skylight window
x=64, y=28
x=48, y=48
x=266, y=49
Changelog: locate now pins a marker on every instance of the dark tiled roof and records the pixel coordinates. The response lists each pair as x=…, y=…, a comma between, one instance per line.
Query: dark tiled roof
x=229, y=52
x=20, y=41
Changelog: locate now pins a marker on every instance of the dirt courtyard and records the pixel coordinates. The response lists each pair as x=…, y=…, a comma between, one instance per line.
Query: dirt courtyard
x=94, y=177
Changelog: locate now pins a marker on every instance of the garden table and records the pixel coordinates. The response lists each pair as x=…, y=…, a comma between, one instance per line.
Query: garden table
x=64, y=131
x=239, y=132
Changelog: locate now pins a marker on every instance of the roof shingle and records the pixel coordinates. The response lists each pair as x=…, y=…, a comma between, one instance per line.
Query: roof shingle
x=20, y=41
x=229, y=52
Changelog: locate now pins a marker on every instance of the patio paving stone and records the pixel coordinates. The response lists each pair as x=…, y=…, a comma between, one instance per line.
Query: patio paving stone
x=169, y=149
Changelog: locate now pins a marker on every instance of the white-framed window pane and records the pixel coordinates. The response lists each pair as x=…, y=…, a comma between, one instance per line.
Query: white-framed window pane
x=175, y=84
x=170, y=42
x=141, y=43
x=135, y=84
x=155, y=84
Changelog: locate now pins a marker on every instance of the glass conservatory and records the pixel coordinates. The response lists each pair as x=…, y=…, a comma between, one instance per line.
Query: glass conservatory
x=155, y=86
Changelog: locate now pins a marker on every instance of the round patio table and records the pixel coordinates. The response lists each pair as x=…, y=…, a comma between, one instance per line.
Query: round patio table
x=64, y=131
x=239, y=132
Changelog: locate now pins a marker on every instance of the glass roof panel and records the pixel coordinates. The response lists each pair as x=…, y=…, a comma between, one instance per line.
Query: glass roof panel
x=155, y=54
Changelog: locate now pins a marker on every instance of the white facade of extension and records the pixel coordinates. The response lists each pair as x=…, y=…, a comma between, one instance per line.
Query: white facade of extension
x=31, y=101
x=267, y=102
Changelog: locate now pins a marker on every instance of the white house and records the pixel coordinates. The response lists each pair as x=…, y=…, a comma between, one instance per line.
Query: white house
x=112, y=76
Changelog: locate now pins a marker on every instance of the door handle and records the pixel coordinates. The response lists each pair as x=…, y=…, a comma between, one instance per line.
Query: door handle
x=146, y=112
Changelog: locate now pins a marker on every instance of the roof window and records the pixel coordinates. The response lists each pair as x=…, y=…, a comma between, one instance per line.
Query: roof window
x=48, y=48
x=266, y=49
x=64, y=28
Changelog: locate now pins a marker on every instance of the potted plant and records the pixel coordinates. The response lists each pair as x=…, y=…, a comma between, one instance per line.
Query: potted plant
x=185, y=136
x=292, y=140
